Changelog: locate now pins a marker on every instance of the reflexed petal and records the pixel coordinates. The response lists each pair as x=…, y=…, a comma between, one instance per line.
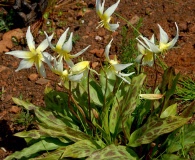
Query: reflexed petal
x=139, y=58
x=163, y=35
x=46, y=57
x=141, y=49
x=123, y=78
x=76, y=77
x=152, y=47
x=119, y=67
x=21, y=54
x=172, y=43
x=113, y=27
x=100, y=7
x=111, y=9
x=30, y=40
x=69, y=62
x=62, y=39
x=40, y=69
x=107, y=49
x=49, y=42
x=44, y=44
x=68, y=45
x=126, y=74
x=58, y=65
x=152, y=39
x=79, y=53
x=25, y=64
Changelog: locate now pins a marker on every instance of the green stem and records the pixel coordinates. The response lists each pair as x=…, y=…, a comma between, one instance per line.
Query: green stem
x=128, y=23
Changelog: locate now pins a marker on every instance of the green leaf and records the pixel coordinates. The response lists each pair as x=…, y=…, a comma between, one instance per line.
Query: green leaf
x=34, y=134
x=169, y=83
x=80, y=149
x=155, y=127
x=184, y=139
x=43, y=145
x=49, y=121
x=27, y=105
x=172, y=157
x=130, y=102
x=169, y=111
x=51, y=155
x=113, y=152
x=107, y=81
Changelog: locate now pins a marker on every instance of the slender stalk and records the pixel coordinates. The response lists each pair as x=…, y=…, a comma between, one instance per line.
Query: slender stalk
x=128, y=23
x=88, y=90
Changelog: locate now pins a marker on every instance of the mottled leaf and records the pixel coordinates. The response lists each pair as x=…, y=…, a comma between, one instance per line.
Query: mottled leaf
x=34, y=134
x=27, y=105
x=113, y=152
x=185, y=138
x=155, y=127
x=81, y=149
x=43, y=145
x=131, y=101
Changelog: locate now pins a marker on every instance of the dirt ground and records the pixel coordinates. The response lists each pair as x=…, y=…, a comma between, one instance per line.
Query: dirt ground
x=80, y=16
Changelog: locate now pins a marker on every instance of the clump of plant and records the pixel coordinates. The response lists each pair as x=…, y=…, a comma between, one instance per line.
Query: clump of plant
x=103, y=115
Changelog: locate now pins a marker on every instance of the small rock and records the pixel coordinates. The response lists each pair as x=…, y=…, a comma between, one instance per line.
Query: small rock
x=94, y=65
x=3, y=68
x=15, y=109
x=183, y=26
x=134, y=19
x=98, y=38
x=42, y=81
x=97, y=52
x=33, y=77
x=7, y=98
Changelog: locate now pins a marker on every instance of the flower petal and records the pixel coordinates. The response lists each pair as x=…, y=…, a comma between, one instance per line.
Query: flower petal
x=62, y=39
x=30, y=40
x=119, y=67
x=100, y=7
x=123, y=78
x=80, y=67
x=152, y=47
x=126, y=74
x=21, y=54
x=68, y=45
x=49, y=41
x=163, y=35
x=172, y=43
x=111, y=9
x=112, y=27
x=40, y=68
x=75, y=78
x=44, y=44
x=107, y=49
x=79, y=53
x=25, y=63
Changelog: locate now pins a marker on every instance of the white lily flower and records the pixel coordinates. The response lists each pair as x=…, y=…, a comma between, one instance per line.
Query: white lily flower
x=115, y=66
x=106, y=16
x=146, y=57
x=65, y=75
x=34, y=56
x=163, y=45
x=64, y=48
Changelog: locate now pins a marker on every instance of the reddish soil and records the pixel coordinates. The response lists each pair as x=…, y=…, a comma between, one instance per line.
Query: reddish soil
x=26, y=83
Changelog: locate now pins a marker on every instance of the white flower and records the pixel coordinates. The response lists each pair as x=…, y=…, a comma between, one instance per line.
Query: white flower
x=163, y=45
x=115, y=66
x=67, y=75
x=64, y=48
x=146, y=56
x=106, y=16
x=34, y=56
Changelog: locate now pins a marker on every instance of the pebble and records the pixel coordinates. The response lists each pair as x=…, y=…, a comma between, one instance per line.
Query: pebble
x=33, y=77
x=14, y=109
x=42, y=81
